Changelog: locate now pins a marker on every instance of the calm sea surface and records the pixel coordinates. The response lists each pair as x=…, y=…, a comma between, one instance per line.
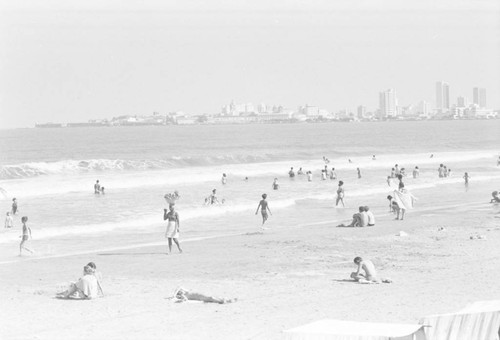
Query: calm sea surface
x=51, y=172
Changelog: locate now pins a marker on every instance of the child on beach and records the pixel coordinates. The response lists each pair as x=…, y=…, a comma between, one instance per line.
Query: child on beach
x=340, y=194
x=309, y=176
x=25, y=237
x=264, y=207
x=173, y=225
x=14, y=206
x=224, y=179
x=9, y=221
x=388, y=180
x=370, y=216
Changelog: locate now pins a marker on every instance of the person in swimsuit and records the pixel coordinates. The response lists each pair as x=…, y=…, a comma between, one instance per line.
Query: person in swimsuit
x=416, y=172
x=9, y=221
x=333, y=174
x=359, y=172
x=14, y=206
x=340, y=194
x=370, y=275
x=300, y=172
x=181, y=295
x=291, y=173
x=466, y=179
x=275, y=185
x=224, y=179
x=264, y=207
x=172, y=232
x=25, y=237
x=97, y=187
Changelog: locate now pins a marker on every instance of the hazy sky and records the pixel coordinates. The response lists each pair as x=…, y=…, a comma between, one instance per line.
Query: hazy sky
x=70, y=61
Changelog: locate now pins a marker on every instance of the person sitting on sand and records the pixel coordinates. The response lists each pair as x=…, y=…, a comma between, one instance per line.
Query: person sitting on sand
x=370, y=216
x=182, y=295
x=87, y=287
x=495, y=198
x=370, y=275
x=359, y=219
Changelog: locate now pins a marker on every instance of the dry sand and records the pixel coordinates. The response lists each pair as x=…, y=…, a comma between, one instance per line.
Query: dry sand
x=283, y=278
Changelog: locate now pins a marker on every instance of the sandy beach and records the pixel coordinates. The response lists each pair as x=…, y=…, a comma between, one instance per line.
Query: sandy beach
x=282, y=278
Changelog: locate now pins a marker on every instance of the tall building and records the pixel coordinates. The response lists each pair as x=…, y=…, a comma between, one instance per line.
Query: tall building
x=462, y=102
x=361, y=112
x=479, y=96
x=442, y=96
x=388, y=104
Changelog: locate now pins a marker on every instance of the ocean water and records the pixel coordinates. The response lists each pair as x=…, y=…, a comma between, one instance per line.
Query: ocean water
x=51, y=172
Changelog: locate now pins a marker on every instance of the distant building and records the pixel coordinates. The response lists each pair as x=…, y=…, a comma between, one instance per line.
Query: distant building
x=388, y=104
x=462, y=102
x=361, y=112
x=442, y=96
x=479, y=96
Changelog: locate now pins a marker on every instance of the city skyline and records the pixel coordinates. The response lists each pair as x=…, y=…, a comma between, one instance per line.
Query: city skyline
x=85, y=60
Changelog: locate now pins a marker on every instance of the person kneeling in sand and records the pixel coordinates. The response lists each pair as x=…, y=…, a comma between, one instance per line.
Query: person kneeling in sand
x=87, y=287
x=182, y=295
x=359, y=219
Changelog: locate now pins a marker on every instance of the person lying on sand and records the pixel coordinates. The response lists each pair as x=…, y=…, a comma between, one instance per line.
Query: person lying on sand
x=370, y=275
x=87, y=287
x=182, y=295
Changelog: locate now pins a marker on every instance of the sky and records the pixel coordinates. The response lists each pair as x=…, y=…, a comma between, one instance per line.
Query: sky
x=71, y=61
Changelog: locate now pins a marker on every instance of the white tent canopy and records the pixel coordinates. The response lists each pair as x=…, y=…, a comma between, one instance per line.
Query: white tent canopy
x=478, y=321
x=350, y=330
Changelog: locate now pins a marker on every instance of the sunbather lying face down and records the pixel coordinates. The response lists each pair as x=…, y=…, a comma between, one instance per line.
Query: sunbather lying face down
x=182, y=295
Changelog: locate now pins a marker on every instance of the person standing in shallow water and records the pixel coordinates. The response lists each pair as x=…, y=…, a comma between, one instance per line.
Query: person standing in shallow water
x=173, y=225
x=264, y=208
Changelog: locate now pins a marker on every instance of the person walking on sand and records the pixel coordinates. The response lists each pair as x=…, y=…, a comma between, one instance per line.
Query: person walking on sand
x=172, y=232
x=466, y=179
x=340, y=194
x=9, y=221
x=97, y=187
x=264, y=208
x=25, y=237
x=14, y=206
x=359, y=172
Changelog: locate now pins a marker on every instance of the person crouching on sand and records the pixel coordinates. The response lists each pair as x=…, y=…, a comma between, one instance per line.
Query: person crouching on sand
x=370, y=275
x=172, y=232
